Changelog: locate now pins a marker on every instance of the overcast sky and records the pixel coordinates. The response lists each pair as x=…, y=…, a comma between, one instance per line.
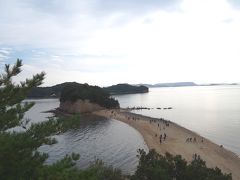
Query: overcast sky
x=106, y=42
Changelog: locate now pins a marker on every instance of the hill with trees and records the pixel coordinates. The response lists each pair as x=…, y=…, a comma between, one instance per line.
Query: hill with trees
x=55, y=91
x=126, y=89
x=74, y=91
x=47, y=92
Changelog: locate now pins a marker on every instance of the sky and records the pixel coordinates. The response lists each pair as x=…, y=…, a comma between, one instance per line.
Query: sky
x=105, y=42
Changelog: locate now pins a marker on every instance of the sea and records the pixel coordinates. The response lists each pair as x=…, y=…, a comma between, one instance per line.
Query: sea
x=109, y=140
x=211, y=111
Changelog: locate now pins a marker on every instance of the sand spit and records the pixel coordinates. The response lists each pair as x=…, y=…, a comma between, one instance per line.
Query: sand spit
x=177, y=140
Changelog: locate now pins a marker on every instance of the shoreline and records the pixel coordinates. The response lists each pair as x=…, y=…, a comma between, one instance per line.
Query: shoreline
x=175, y=142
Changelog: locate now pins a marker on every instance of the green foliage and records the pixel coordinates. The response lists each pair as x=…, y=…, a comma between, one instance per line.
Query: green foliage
x=63, y=170
x=11, y=110
x=98, y=171
x=95, y=94
x=55, y=91
x=47, y=92
x=153, y=166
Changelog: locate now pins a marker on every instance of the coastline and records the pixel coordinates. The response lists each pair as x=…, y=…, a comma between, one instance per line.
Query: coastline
x=175, y=142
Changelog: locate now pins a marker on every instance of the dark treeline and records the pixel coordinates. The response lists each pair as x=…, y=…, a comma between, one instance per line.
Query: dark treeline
x=47, y=92
x=55, y=91
x=126, y=89
x=95, y=94
x=153, y=166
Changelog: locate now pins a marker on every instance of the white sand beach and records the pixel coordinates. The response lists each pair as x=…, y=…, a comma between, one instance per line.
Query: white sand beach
x=175, y=142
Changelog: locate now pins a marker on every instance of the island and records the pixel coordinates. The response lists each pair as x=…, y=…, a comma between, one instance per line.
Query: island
x=175, y=84
x=126, y=89
x=185, y=84
x=55, y=91
x=84, y=98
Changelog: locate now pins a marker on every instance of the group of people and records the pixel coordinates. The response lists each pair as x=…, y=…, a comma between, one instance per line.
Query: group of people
x=190, y=139
x=195, y=156
x=132, y=118
x=166, y=122
x=162, y=137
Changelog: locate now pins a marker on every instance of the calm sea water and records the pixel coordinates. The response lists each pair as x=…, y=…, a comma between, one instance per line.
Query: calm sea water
x=211, y=111
x=112, y=141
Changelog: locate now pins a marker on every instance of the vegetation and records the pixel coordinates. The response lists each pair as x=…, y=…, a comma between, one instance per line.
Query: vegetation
x=95, y=94
x=126, y=89
x=63, y=170
x=19, y=158
x=48, y=92
x=153, y=166
x=55, y=91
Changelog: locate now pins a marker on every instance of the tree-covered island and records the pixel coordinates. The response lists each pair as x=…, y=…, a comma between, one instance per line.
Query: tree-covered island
x=81, y=98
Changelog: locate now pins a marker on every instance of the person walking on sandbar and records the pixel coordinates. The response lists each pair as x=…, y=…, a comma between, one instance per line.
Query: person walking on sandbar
x=164, y=136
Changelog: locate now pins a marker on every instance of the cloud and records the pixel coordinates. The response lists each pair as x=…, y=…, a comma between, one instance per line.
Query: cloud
x=62, y=23
x=235, y=3
x=228, y=20
x=2, y=60
x=4, y=55
x=4, y=51
x=102, y=7
x=110, y=41
x=134, y=6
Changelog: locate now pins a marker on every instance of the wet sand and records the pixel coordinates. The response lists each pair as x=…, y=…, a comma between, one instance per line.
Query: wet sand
x=175, y=142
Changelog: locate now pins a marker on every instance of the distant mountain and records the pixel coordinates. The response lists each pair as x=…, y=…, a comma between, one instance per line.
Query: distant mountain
x=126, y=89
x=182, y=84
x=219, y=84
x=176, y=84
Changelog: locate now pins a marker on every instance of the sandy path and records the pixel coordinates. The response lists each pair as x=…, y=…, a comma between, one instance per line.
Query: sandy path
x=175, y=142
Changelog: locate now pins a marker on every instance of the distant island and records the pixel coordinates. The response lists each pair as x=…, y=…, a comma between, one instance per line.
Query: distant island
x=183, y=84
x=176, y=84
x=126, y=89
x=219, y=84
x=55, y=91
